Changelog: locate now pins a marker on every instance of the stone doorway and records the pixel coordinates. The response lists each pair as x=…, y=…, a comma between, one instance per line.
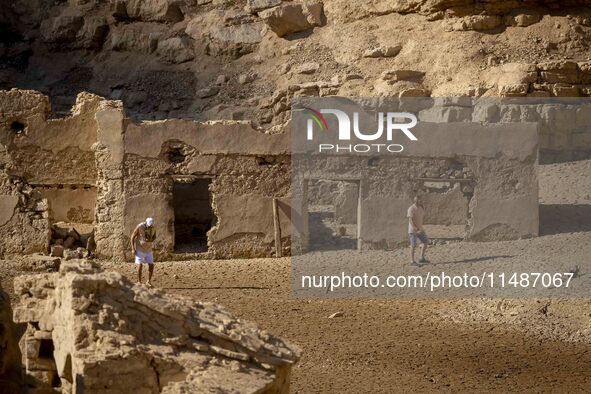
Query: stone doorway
x=333, y=214
x=193, y=215
x=446, y=191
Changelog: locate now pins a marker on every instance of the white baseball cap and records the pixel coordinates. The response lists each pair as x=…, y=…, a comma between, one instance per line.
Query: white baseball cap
x=149, y=222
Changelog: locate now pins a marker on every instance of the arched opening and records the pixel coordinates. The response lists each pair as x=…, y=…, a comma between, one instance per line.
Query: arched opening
x=17, y=127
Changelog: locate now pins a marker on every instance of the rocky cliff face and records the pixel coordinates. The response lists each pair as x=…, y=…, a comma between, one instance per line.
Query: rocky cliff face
x=245, y=59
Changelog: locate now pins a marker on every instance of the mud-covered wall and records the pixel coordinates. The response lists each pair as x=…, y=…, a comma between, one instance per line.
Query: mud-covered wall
x=247, y=169
x=500, y=185
x=110, y=207
x=48, y=151
x=72, y=204
x=129, y=170
x=42, y=161
x=97, y=167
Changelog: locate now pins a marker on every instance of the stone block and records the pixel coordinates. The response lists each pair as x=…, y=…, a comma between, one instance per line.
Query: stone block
x=292, y=17
x=57, y=250
x=559, y=72
x=106, y=307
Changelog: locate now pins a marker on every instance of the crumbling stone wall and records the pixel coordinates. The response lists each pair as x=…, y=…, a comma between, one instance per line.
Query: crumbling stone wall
x=97, y=167
x=24, y=218
x=49, y=151
x=43, y=162
x=497, y=181
x=447, y=189
x=237, y=60
x=247, y=170
x=91, y=331
x=76, y=203
x=109, y=218
x=133, y=167
x=322, y=191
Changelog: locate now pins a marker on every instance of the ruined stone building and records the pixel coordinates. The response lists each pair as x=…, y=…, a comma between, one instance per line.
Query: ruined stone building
x=209, y=186
x=86, y=180
x=475, y=175
x=83, y=178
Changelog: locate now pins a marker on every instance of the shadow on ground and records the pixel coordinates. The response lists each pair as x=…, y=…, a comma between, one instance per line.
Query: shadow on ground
x=562, y=218
x=475, y=260
x=322, y=234
x=219, y=288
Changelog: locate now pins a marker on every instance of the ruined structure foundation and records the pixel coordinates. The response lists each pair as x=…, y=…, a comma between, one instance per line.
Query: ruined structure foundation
x=95, y=332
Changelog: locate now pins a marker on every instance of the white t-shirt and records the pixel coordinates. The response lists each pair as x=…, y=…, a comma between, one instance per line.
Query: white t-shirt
x=146, y=237
x=417, y=214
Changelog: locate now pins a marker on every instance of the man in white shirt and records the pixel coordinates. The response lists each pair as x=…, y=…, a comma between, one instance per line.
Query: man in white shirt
x=142, y=241
x=416, y=232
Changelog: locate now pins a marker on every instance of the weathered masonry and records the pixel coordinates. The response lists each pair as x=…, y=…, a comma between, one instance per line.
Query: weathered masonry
x=93, y=176
x=478, y=176
x=90, y=331
x=85, y=181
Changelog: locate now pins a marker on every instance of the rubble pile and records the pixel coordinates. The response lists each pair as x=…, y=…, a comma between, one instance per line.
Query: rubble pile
x=92, y=331
x=24, y=216
x=561, y=78
x=69, y=243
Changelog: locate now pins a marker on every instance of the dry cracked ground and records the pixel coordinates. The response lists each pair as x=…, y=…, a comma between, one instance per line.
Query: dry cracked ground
x=540, y=345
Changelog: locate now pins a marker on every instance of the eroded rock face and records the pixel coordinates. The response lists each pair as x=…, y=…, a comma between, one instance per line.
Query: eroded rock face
x=235, y=40
x=92, y=331
x=293, y=17
x=154, y=10
x=162, y=57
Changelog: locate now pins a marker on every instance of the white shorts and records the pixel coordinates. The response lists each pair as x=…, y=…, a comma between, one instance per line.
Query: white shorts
x=144, y=257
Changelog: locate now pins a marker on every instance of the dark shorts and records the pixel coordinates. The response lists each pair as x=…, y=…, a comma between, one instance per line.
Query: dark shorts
x=413, y=237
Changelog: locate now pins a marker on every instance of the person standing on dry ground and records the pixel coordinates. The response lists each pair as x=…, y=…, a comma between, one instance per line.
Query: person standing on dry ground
x=416, y=231
x=142, y=241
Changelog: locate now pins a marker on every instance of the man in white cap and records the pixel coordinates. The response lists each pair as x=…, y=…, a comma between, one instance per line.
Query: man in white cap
x=142, y=241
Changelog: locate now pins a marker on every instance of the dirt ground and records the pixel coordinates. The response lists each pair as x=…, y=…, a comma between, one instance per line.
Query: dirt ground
x=419, y=345
x=385, y=345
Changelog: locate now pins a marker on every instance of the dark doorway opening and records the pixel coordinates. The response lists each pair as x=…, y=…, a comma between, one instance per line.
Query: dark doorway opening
x=333, y=214
x=193, y=215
